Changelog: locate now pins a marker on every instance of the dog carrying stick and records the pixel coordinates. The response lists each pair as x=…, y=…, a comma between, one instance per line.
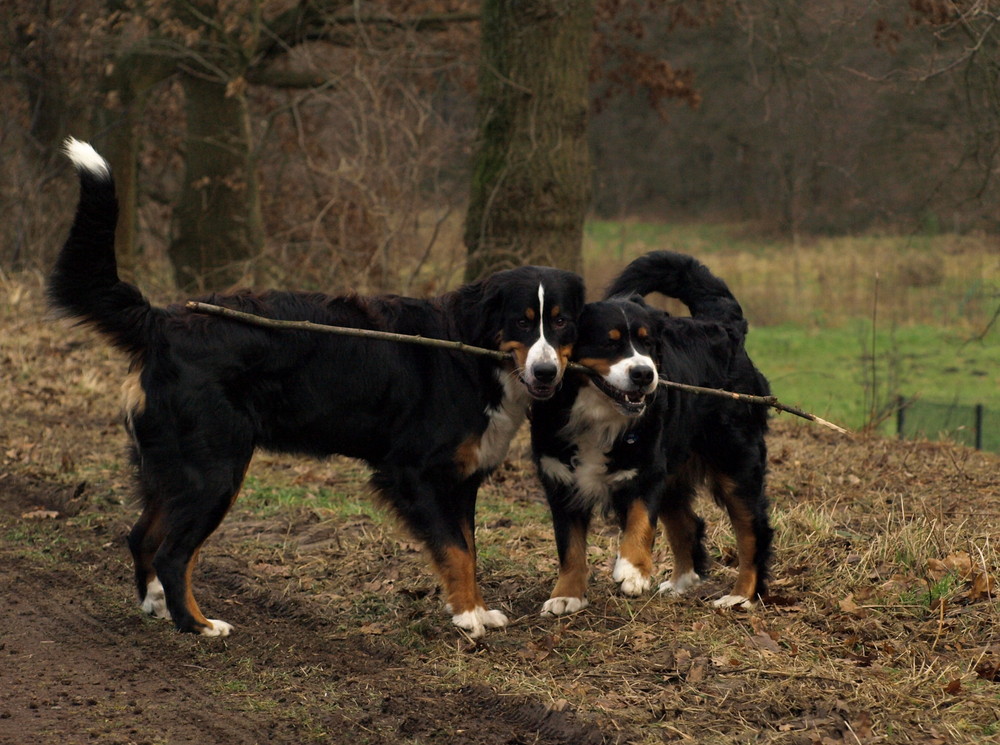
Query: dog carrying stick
x=458, y=346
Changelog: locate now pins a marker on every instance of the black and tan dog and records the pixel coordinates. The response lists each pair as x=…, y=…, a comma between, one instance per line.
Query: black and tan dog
x=204, y=392
x=618, y=442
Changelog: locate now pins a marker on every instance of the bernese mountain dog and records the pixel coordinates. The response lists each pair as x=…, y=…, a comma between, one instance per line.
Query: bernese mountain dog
x=617, y=441
x=204, y=392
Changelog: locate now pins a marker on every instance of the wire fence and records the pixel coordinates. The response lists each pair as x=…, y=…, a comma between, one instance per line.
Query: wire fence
x=973, y=425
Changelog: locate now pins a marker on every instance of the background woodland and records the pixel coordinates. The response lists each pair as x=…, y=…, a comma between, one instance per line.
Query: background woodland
x=331, y=143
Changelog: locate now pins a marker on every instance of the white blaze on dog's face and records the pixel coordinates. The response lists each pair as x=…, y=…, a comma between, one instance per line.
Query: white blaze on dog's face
x=541, y=329
x=616, y=341
x=542, y=365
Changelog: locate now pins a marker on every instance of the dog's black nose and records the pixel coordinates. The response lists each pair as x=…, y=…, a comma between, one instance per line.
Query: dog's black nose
x=545, y=372
x=641, y=375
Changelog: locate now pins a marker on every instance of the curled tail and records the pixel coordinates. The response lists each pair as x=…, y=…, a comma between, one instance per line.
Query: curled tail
x=683, y=277
x=84, y=282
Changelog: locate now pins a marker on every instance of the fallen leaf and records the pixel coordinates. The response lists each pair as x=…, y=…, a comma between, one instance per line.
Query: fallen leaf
x=953, y=687
x=849, y=606
x=862, y=725
x=959, y=563
x=40, y=514
x=697, y=672
x=765, y=642
x=982, y=587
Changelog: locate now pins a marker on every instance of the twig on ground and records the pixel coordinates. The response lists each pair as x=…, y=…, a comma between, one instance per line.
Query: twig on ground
x=458, y=346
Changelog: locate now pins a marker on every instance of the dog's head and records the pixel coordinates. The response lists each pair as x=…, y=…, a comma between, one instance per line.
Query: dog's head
x=532, y=312
x=618, y=341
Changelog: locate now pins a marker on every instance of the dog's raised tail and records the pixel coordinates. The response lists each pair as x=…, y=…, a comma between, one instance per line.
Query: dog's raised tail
x=682, y=277
x=84, y=282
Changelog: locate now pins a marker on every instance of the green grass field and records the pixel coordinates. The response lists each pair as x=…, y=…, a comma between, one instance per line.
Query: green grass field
x=831, y=371
x=812, y=306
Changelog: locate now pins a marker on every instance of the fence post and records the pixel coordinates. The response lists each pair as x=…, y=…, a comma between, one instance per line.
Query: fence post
x=979, y=426
x=900, y=417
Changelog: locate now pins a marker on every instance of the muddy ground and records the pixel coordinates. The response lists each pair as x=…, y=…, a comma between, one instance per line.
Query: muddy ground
x=881, y=627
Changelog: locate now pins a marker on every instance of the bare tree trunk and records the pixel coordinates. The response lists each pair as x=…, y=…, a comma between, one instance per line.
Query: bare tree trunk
x=128, y=86
x=531, y=180
x=217, y=223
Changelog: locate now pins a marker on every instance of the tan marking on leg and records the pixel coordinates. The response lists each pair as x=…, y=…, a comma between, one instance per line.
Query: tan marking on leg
x=192, y=605
x=467, y=455
x=150, y=543
x=637, y=540
x=573, y=571
x=681, y=529
x=133, y=396
x=457, y=568
x=724, y=490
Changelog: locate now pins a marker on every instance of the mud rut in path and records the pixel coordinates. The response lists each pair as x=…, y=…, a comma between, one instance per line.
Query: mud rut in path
x=79, y=664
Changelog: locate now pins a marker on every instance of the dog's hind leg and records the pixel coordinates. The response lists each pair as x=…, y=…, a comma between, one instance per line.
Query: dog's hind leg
x=747, y=508
x=143, y=541
x=686, y=536
x=174, y=564
x=200, y=496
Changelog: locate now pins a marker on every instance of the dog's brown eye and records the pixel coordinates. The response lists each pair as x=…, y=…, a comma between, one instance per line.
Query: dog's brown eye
x=559, y=322
x=523, y=323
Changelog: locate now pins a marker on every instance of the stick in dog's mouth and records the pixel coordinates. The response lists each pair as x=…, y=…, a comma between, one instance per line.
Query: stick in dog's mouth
x=632, y=403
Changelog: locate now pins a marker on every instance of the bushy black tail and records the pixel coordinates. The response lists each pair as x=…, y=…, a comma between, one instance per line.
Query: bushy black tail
x=683, y=277
x=84, y=283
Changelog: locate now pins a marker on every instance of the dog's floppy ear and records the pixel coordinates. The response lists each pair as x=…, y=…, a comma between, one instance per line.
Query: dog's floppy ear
x=576, y=295
x=481, y=306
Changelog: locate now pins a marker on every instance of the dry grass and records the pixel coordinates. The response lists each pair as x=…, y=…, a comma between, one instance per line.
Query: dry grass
x=942, y=280
x=882, y=626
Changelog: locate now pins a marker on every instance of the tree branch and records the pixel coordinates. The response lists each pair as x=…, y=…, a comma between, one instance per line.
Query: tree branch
x=457, y=346
x=771, y=401
x=239, y=315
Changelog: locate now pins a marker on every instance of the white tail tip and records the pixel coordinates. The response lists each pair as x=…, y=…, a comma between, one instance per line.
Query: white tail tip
x=85, y=158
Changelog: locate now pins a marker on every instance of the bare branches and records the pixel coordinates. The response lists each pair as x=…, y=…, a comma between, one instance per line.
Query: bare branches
x=457, y=346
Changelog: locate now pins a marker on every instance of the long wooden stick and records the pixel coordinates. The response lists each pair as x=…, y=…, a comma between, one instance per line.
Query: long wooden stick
x=458, y=346
x=771, y=401
x=274, y=323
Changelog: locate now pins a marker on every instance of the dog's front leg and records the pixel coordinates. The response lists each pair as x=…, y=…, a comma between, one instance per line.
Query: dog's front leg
x=569, y=594
x=634, y=565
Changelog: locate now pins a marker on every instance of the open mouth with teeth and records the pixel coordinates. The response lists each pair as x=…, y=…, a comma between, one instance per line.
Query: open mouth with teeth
x=540, y=391
x=628, y=402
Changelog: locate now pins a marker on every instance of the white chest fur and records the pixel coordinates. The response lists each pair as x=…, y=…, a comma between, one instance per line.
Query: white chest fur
x=594, y=425
x=504, y=421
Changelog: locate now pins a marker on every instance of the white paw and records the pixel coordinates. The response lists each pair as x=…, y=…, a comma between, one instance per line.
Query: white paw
x=630, y=580
x=563, y=606
x=216, y=628
x=681, y=584
x=731, y=601
x=476, y=621
x=155, y=602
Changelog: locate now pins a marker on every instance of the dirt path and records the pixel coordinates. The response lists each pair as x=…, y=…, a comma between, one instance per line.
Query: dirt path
x=81, y=665
x=882, y=626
